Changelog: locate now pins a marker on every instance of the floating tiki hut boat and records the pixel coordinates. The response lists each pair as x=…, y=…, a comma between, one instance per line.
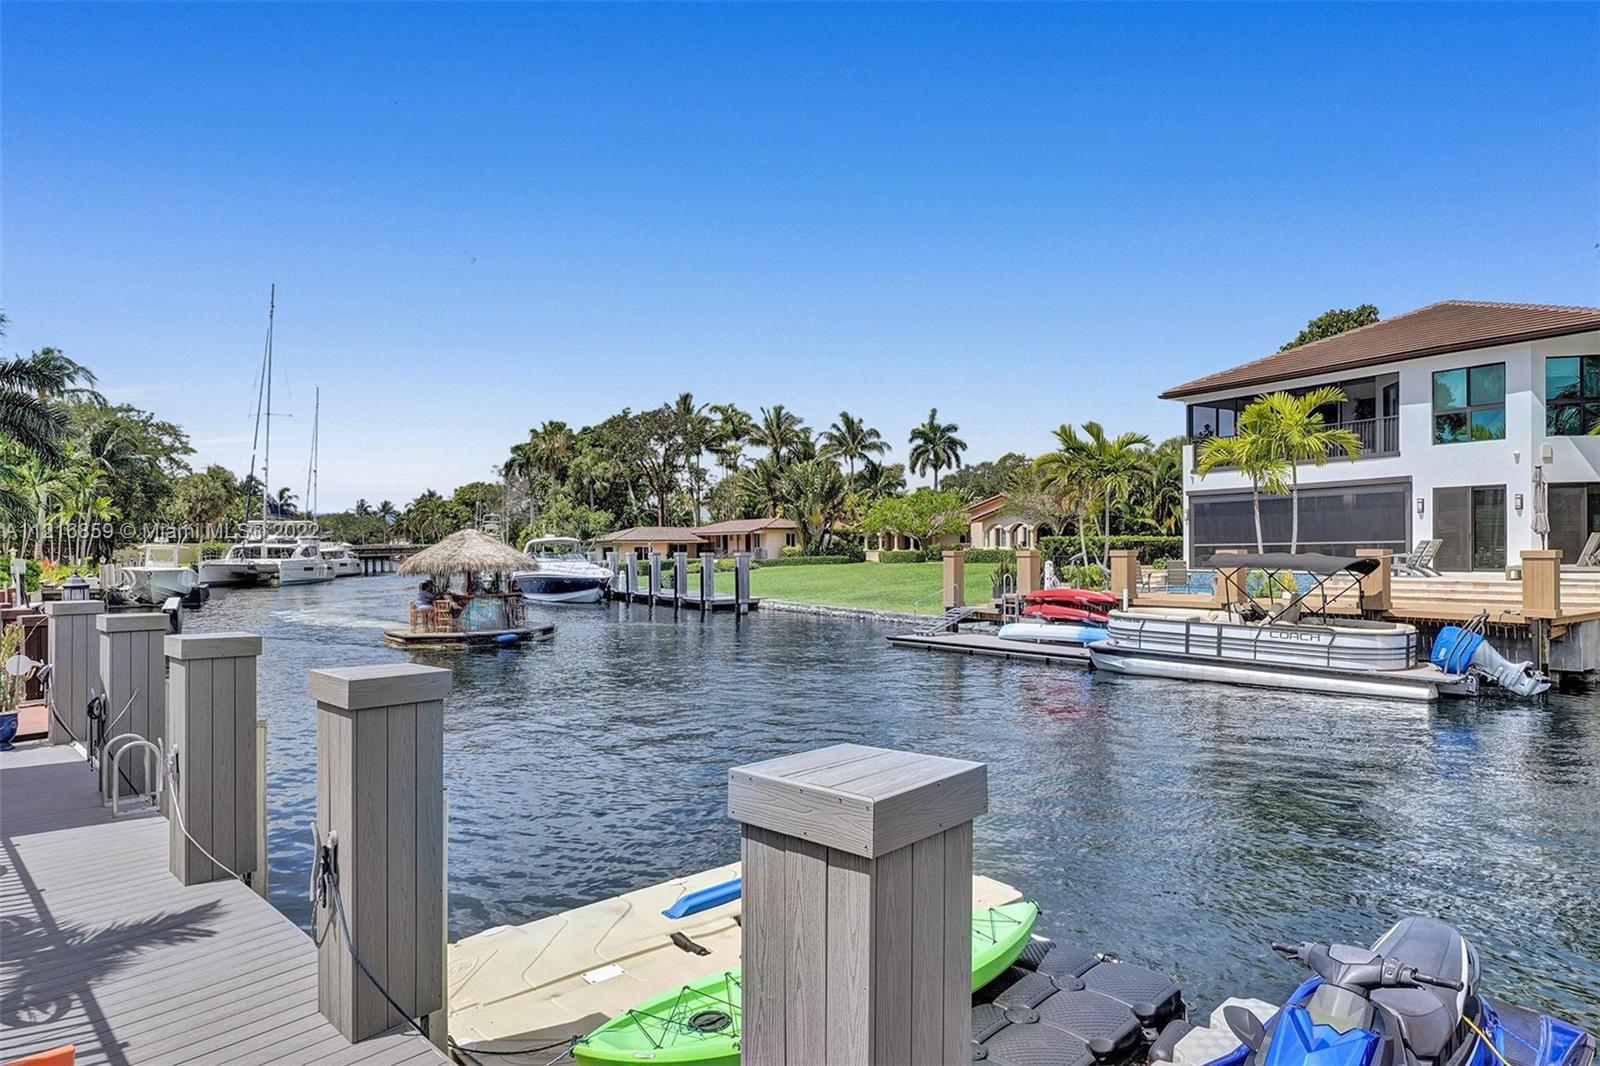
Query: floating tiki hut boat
x=487, y=612
x=1296, y=644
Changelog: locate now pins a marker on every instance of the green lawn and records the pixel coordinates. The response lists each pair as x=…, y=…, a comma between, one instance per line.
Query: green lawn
x=911, y=588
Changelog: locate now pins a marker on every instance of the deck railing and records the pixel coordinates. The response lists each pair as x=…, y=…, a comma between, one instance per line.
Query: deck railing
x=1378, y=436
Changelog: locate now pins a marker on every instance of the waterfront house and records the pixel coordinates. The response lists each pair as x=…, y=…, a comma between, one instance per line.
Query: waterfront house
x=763, y=538
x=992, y=524
x=1462, y=407
x=642, y=540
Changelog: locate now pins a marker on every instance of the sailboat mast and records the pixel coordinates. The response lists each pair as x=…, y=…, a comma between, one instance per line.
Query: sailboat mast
x=311, y=467
x=266, y=458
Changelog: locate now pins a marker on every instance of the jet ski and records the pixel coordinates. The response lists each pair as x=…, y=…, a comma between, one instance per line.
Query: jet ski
x=1412, y=999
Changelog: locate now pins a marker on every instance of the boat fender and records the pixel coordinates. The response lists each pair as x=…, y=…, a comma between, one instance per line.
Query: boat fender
x=506, y=638
x=683, y=943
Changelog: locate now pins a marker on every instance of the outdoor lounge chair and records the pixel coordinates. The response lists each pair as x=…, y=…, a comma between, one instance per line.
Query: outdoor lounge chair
x=1419, y=562
x=1588, y=555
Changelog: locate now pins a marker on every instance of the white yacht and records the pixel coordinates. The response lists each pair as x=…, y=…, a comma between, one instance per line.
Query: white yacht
x=288, y=552
x=301, y=563
x=342, y=556
x=561, y=573
x=247, y=563
x=1282, y=648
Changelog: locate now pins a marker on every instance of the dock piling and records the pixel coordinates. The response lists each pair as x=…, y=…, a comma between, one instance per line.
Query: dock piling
x=874, y=847
x=741, y=581
x=708, y=581
x=955, y=579
x=133, y=667
x=1028, y=571
x=1377, y=590
x=74, y=666
x=1541, y=584
x=655, y=577
x=211, y=729
x=680, y=578
x=1124, y=576
x=380, y=795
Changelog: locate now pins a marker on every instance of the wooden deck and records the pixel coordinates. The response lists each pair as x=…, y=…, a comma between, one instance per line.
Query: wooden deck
x=100, y=946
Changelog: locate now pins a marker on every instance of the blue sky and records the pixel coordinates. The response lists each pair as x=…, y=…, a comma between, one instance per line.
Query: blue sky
x=481, y=217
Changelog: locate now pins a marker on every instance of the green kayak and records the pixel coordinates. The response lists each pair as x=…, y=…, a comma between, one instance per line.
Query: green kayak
x=699, y=1022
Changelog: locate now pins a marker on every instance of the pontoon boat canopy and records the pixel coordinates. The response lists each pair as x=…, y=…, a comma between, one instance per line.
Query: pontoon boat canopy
x=1311, y=562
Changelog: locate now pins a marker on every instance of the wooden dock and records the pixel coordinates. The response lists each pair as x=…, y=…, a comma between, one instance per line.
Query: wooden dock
x=989, y=644
x=691, y=602
x=103, y=948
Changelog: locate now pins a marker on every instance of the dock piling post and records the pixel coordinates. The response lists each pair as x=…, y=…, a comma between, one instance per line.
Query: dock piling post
x=955, y=579
x=380, y=793
x=75, y=666
x=708, y=581
x=211, y=728
x=258, y=877
x=655, y=577
x=1376, y=587
x=1541, y=584
x=1028, y=571
x=133, y=666
x=1233, y=583
x=741, y=581
x=875, y=847
x=680, y=578
x=1124, y=576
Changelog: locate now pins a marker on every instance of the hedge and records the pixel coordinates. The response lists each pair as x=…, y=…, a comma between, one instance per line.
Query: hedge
x=991, y=555
x=803, y=560
x=913, y=555
x=1150, y=548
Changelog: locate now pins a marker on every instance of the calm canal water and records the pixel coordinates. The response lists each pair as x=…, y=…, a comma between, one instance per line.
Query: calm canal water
x=1180, y=825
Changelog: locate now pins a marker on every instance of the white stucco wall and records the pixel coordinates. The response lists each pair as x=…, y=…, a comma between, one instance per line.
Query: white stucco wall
x=1508, y=462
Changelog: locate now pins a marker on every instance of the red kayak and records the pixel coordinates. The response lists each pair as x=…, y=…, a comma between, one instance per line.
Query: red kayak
x=1057, y=612
x=1072, y=598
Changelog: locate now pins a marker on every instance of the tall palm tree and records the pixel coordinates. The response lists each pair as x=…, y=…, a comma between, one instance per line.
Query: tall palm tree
x=30, y=388
x=1291, y=428
x=36, y=485
x=1115, y=466
x=696, y=432
x=386, y=511
x=781, y=432
x=1162, y=496
x=760, y=487
x=734, y=429
x=934, y=445
x=877, y=480
x=363, y=508
x=286, y=500
x=851, y=438
x=550, y=448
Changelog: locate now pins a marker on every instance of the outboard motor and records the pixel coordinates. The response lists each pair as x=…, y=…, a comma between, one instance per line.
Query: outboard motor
x=1461, y=650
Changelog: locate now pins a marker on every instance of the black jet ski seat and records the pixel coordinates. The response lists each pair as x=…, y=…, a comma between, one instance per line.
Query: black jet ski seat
x=1428, y=1018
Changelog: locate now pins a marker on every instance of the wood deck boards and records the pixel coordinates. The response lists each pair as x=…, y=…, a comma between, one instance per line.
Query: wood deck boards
x=102, y=947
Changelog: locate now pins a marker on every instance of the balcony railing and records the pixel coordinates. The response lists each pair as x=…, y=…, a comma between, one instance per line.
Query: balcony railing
x=1378, y=436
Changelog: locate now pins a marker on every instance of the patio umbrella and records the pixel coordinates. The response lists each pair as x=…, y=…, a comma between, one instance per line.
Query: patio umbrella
x=1541, y=507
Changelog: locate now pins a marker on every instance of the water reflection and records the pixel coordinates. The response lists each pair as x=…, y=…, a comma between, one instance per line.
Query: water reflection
x=1181, y=825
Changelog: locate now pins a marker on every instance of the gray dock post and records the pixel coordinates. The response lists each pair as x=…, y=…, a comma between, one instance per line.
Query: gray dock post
x=258, y=876
x=211, y=727
x=611, y=564
x=133, y=666
x=380, y=792
x=875, y=847
x=680, y=578
x=708, y=581
x=74, y=666
x=655, y=577
x=741, y=580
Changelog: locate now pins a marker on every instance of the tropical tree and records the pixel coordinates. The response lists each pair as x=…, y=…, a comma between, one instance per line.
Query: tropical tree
x=875, y=480
x=850, y=439
x=285, y=500
x=781, y=432
x=1290, y=427
x=734, y=429
x=924, y=515
x=934, y=445
x=386, y=511
x=1160, y=496
x=1064, y=474
x=362, y=508
x=813, y=493
x=31, y=388
x=760, y=487
x=1333, y=322
x=1246, y=454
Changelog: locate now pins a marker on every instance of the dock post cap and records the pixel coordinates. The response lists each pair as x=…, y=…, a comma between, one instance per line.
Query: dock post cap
x=212, y=645
x=57, y=608
x=859, y=799
x=130, y=621
x=354, y=688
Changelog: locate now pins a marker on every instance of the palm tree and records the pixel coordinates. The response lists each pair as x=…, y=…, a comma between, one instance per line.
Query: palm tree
x=734, y=429
x=852, y=439
x=696, y=431
x=813, y=493
x=1114, y=468
x=1291, y=428
x=877, y=480
x=1247, y=455
x=1162, y=496
x=286, y=500
x=759, y=487
x=934, y=445
x=781, y=432
x=550, y=448
x=386, y=511
x=1064, y=473
x=30, y=386
x=36, y=486
x=363, y=508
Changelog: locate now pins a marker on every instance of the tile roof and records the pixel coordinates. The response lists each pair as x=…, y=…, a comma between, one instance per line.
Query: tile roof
x=1447, y=326
x=645, y=534
x=745, y=525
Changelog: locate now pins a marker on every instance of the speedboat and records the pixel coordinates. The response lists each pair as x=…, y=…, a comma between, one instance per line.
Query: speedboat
x=1411, y=999
x=164, y=572
x=1292, y=647
x=343, y=558
x=245, y=564
x=561, y=573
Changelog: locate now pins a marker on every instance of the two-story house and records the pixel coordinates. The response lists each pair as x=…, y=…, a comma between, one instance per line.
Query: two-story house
x=1462, y=407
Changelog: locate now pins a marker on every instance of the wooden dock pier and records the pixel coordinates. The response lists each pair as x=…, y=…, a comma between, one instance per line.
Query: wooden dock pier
x=106, y=950
x=626, y=583
x=382, y=558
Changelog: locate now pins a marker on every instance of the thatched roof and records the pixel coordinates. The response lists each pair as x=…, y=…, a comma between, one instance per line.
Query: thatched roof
x=467, y=552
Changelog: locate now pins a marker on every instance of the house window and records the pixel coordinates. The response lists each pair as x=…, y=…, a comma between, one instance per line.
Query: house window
x=1571, y=395
x=788, y=540
x=1469, y=403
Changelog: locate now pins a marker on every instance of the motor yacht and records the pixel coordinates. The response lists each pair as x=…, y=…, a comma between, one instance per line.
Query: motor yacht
x=342, y=556
x=165, y=571
x=561, y=573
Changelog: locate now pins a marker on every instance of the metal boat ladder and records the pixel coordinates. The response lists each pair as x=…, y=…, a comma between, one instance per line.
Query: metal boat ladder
x=945, y=622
